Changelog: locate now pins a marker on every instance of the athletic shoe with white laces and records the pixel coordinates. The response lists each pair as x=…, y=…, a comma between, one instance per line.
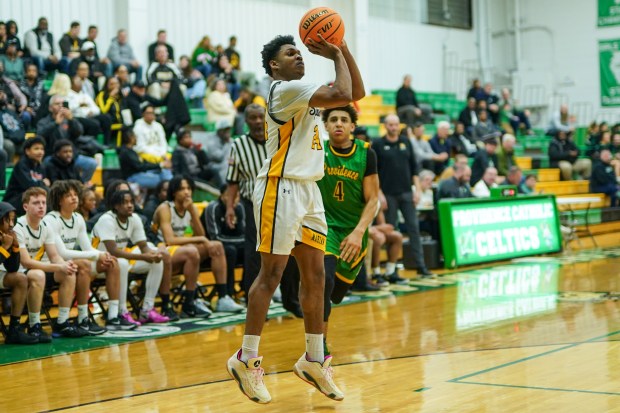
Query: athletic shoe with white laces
x=90, y=328
x=249, y=377
x=120, y=324
x=227, y=305
x=319, y=375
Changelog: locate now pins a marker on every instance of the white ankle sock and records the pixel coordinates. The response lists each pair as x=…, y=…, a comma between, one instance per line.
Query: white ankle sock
x=390, y=267
x=314, y=347
x=112, y=309
x=249, y=348
x=376, y=271
x=63, y=314
x=82, y=312
x=34, y=318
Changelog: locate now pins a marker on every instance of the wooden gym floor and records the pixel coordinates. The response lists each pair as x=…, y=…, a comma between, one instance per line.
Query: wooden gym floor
x=523, y=337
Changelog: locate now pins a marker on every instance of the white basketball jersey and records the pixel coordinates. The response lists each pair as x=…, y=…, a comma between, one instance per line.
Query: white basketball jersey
x=34, y=241
x=109, y=228
x=67, y=229
x=178, y=222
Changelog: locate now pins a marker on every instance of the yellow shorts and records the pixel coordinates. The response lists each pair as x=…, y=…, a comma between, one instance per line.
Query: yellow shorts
x=288, y=211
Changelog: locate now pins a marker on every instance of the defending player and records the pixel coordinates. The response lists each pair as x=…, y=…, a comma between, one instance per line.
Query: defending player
x=288, y=207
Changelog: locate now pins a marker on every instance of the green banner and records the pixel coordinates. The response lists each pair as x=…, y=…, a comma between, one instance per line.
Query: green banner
x=609, y=61
x=608, y=13
x=475, y=231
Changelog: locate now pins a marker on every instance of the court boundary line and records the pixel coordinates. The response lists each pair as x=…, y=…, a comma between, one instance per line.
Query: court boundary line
x=598, y=339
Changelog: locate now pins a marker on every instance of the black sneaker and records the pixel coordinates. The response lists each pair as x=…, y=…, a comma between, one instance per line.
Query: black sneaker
x=395, y=279
x=366, y=288
x=17, y=335
x=41, y=336
x=170, y=313
x=195, y=311
x=380, y=280
x=90, y=328
x=119, y=324
x=424, y=273
x=67, y=329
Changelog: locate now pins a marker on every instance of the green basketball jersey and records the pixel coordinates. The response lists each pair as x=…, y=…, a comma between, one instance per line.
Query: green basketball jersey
x=341, y=186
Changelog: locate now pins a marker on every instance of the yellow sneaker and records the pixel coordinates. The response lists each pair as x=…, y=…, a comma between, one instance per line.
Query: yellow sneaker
x=249, y=377
x=319, y=375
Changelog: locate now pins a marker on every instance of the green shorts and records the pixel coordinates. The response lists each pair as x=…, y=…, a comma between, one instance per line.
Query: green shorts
x=345, y=271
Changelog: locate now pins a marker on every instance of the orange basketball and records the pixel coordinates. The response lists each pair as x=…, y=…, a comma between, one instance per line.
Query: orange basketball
x=323, y=21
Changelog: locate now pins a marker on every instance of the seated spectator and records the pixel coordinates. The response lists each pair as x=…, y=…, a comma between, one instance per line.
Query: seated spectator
x=225, y=71
x=12, y=129
x=27, y=173
x=476, y=92
x=190, y=160
x=514, y=176
x=60, y=124
x=492, y=102
x=218, y=103
x=151, y=142
x=459, y=143
x=232, y=53
x=204, y=57
x=427, y=198
x=528, y=187
x=39, y=43
x=604, y=179
x=3, y=37
x=506, y=154
x=86, y=111
x=440, y=144
x=136, y=170
x=593, y=132
x=161, y=73
x=561, y=121
x=246, y=97
x=162, y=40
x=469, y=116
x=110, y=101
x=11, y=31
x=457, y=186
x=424, y=155
x=13, y=64
x=91, y=36
x=482, y=189
x=407, y=106
x=563, y=154
x=156, y=197
x=122, y=74
x=83, y=72
x=484, y=128
x=121, y=53
x=70, y=44
x=95, y=68
x=61, y=85
x=218, y=150
x=515, y=118
x=13, y=98
x=484, y=159
x=233, y=239
x=193, y=81
x=32, y=87
x=603, y=141
x=61, y=165
x=137, y=100
x=87, y=207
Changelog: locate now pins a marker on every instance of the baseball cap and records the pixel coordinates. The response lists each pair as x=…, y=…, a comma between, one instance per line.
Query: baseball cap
x=87, y=45
x=223, y=124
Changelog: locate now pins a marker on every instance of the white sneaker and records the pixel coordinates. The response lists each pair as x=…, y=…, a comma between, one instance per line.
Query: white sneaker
x=320, y=376
x=227, y=305
x=249, y=377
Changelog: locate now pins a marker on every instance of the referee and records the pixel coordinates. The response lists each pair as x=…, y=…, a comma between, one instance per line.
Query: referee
x=247, y=155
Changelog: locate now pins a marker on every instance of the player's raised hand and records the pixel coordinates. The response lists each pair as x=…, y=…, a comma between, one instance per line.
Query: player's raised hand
x=323, y=48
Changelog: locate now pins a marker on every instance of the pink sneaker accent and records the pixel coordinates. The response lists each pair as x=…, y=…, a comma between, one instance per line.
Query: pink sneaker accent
x=127, y=316
x=152, y=316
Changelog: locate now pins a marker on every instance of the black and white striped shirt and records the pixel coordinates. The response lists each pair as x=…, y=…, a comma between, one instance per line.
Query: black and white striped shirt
x=246, y=159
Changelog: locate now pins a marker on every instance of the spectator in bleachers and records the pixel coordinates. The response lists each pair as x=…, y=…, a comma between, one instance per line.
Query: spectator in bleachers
x=96, y=69
x=604, y=179
x=564, y=154
x=155, y=198
x=484, y=128
x=424, y=154
x=12, y=63
x=225, y=71
x=161, y=74
x=528, y=187
x=151, y=142
x=32, y=87
x=515, y=116
x=27, y=173
x=408, y=108
x=469, y=116
x=91, y=36
x=162, y=40
x=21, y=285
x=60, y=124
x=39, y=43
x=218, y=151
x=593, y=132
x=61, y=85
x=456, y=186
x=561, y=120
x=4, y=37
x=602, y=141
x=13, y=130
x=13, y=98
x=190, y=160
x=113, y=232
x=86, y=111
x=440, y=144
x=34, y=201
x=427, y=199
x=83, y=72
x=88, y=207
x=204, y=57
x=398, y=171
x=137, y=100
x=110, y=101
x=484, y=158
x=11, y=31
x=194, y=82
x=459, y=143
x=140, y=168
x=61, y=165
x=122, y=74
x=246, y=97
x=70, y=46
x=506, y=154
x=614, y=147
x=121, y=53
x=482, y=189
x=475, y=91
x=514, y=176
x=232, y=239
x=219, y=104
x=234, y=57
x=492, y=102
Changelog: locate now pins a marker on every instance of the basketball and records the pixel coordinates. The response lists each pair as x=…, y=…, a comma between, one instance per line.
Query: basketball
x=323, y=21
